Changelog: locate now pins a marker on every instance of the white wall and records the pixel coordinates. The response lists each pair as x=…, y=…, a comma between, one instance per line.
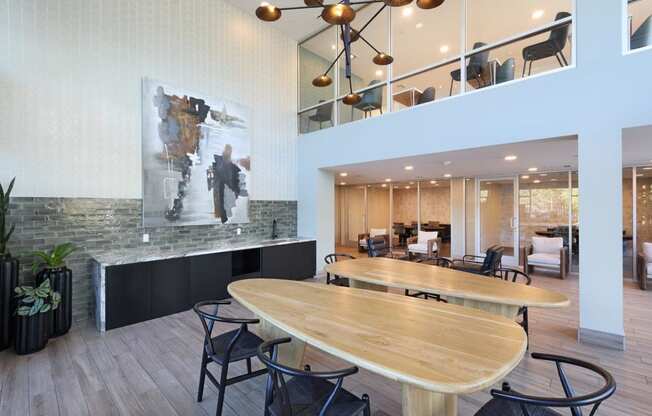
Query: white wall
x=70, y=81
x=595, y=99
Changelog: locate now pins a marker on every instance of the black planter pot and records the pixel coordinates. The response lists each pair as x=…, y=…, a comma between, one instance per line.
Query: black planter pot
x=8, y=282
x=32, y=333
x=60, y=281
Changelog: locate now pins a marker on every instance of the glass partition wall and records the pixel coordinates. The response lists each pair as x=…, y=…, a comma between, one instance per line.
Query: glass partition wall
x=638, y=24
x=637, y=215
x=484, y=42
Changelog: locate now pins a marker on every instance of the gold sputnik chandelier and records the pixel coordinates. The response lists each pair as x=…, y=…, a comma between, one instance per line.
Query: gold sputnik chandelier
x=342, y=14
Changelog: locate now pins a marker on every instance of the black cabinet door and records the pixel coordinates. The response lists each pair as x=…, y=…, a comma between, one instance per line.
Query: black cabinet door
x=209, y=276
x=127, y=294
x=278, y=261
x=170, y=287
x=306, y=265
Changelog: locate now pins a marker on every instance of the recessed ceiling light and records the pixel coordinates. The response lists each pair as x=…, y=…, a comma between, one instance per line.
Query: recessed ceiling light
x=333, y=47
x=407, y=187
x=433, y=182
x=543, y=175
x=344, y=174
x=419, y=25
x=407, y=11
x=342, y=183
x=648, y=168
x=538, y=14
x=511, y=158
x=384, y=185
x=553, y=180
x=533, y=169
x=447, y=162
x=353, y=56
x=448, y=175
x=639, y=175
x=388, y=180
x=537, y=181
x=525, y=177
x=409, y=167
x=443, y=49
x=379, y=73
x=411, y=183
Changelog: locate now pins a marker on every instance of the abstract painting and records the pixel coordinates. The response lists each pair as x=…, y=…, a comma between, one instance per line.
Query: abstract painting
x=196, y=158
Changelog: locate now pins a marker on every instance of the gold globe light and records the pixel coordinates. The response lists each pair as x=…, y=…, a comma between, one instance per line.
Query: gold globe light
x=352, y=99
x=429, y=4
x=268, y=13
x=338, y=14
x=397, y=3
x=322, y=81
x=383, y=59
x=312, y=3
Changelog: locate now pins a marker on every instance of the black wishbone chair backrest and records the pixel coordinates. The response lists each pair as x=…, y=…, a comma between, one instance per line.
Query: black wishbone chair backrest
x=277, y=384
x=571, y=401
x=208, y=322
x=335, y=257
x=513, y=275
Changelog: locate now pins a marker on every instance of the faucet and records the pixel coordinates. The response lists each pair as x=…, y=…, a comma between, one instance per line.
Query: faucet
x=274, y=231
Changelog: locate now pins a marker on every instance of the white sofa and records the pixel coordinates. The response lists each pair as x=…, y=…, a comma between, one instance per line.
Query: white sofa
x=426, y=243
x=644, y=263
x=547, y=253
x=373, y=232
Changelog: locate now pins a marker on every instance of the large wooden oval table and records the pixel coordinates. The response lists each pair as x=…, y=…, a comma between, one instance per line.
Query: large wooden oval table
x=458, y=287
x=435, y=350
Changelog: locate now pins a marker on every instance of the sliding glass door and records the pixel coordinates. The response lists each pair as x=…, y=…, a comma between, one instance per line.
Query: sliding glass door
x=497, y=202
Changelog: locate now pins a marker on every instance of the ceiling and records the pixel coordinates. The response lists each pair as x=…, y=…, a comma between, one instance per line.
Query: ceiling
x=550, y=155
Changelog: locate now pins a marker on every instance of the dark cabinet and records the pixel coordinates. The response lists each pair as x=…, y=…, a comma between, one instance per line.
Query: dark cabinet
x=210, y=274
x=289, y=261
x=127, y=294
x=306, y=266
x=170, y=292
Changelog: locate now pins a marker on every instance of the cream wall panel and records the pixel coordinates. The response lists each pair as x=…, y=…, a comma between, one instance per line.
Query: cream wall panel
x=70, y=78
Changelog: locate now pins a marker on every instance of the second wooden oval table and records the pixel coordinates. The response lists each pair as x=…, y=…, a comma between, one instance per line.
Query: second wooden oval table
x=435, y=350
x=461, y=288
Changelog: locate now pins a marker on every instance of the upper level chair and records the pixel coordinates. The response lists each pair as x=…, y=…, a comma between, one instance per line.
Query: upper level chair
x=428, y=95
x=548, y=253
x=508, y=402
x=642, y=37
x=505, y=71
x=337, y=280
x=294, y=392
x=426, y=243
x=553, y=46
x=323, y=114
x=371, y=100
x=486, y=265
x=373, y=232
x=475, y=70
x=517, y=276
x=224, y=349
x=644, y=266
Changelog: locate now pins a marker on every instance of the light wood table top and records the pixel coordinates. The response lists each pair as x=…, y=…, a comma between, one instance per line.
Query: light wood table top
x=428, y=345
x=447, y=282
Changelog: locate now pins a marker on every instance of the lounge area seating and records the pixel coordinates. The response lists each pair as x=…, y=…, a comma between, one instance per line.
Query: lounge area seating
x=424, y=244
x=644, y=266
x=547, y=253
x=374, y=232
x=486, y=265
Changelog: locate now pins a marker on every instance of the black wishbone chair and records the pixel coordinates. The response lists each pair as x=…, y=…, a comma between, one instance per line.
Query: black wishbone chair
x=517, y=276
x=337, y=280
x=507, y=402
x=307, y=393
x=224, y=349
x=435, y=261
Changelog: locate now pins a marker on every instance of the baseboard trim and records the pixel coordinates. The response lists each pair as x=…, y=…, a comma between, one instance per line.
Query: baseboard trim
x=601, y=339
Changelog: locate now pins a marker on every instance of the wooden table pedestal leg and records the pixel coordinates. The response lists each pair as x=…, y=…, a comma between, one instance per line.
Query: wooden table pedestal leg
x=419, y=402
x=289, y=354
x=357, y=284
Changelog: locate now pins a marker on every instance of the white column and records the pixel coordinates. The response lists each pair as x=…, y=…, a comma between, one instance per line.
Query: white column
x=316, y=210
x=601, y=227
x=458, y=218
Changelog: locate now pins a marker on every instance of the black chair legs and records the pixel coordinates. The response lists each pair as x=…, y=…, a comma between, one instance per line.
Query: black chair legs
x=367, y=410
x=202, y=377
x=222, y=390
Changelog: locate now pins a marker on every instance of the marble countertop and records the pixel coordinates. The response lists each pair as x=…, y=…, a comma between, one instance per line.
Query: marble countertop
x=145, y=253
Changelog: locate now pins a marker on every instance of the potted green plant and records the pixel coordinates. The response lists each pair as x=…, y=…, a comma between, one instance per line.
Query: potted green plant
x=51, y=265
x=34, y=316
x=9, y=268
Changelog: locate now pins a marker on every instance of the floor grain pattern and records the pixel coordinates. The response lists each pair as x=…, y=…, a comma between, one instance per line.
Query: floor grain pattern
x=152, y=368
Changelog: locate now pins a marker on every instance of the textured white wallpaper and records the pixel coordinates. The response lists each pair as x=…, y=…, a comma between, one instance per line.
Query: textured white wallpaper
x=70, y=88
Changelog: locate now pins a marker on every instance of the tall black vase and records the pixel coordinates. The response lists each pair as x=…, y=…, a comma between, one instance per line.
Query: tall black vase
x=32, y=332
x=8, y=282
x=60, y=281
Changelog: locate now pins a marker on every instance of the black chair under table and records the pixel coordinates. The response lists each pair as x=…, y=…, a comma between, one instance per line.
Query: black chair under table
x=434, y=261
x=481, y=265
x=508, y=402
x=517, y=276
x=307, y=393
x=337, y=280
x=225, y=349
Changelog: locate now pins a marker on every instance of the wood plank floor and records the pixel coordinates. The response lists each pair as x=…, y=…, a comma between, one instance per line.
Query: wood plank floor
x=152, y=368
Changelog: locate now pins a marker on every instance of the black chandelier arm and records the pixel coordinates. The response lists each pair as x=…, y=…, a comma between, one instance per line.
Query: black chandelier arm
x=372, y=19
x=353, y=3
x=339, y=55
x=368, y=43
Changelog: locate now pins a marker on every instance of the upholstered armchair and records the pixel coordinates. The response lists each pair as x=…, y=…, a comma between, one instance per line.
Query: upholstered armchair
x=374, y=232
x=644, y=266
x=548, y=253
x=424, y=244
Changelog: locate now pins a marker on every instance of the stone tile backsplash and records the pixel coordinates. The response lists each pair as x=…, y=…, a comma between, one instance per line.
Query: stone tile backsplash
x=97, y=225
